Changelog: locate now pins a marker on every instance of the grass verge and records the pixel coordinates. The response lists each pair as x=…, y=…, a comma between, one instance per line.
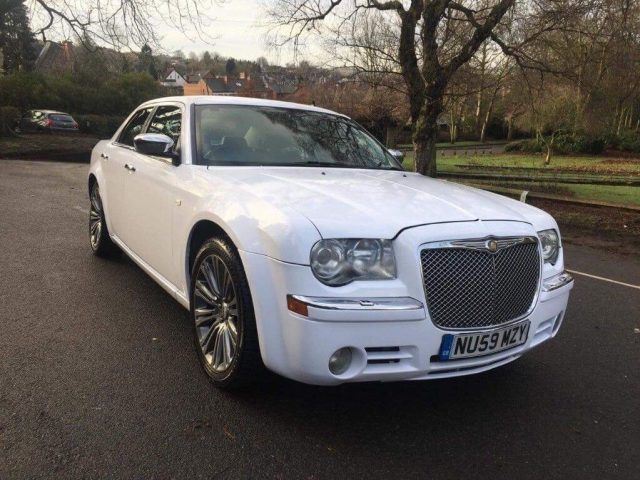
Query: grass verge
x=533, y=164
x=43, y=145
x=620, y=194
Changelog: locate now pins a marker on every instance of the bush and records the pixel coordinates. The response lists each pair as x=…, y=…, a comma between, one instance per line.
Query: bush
x=102, y=126
x=578, y=143
x=524, y=146
x=627, y=142
x=8, y=118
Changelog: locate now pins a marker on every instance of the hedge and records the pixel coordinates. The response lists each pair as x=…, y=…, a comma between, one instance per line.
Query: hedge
x=8, y=118
x=102, y=126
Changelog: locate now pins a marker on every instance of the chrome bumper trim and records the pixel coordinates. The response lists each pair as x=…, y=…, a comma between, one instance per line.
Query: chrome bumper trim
x=558, y=281
x=361, y=304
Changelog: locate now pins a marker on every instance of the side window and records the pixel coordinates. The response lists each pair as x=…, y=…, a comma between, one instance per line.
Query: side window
x=134, y=127
x=168, y=121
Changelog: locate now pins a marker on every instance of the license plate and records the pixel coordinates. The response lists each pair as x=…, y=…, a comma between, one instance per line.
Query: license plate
x=476, y=344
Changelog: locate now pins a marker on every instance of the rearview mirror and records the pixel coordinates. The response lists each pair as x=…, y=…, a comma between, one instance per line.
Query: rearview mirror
x=156, y=144
x=397, y=154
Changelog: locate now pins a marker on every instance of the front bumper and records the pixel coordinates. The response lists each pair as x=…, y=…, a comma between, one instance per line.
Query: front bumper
x=388, y=331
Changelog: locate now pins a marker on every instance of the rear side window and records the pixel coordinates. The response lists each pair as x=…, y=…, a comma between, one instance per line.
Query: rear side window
x=134, y=127
x=168, y=121
x=61, y=118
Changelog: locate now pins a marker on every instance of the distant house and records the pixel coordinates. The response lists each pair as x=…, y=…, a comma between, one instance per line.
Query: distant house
x=194, y=85
x=280, y=87
x=242, y=85
x=55, y=58
x=173, y=79
x=62, y=58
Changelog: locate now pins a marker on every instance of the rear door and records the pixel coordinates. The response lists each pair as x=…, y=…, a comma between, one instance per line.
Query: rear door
x=114, y=158
x=150, y=196
x=62, y=121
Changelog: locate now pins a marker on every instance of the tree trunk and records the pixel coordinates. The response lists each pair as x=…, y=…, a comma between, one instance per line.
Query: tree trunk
x=485, y=123
x=510, y=128
x=425, y=153
x=452, y=126
x=425, y=137
x=547, y=158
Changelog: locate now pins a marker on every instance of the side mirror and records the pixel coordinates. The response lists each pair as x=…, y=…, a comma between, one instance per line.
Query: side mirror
x=157, y=145
x=397, y=154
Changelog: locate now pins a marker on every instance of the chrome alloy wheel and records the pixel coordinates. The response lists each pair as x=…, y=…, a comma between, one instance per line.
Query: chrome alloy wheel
x=216, y=313
x=95, y=217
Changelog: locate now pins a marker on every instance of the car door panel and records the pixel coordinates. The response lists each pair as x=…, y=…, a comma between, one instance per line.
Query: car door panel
x=148, y=212
x=150, y=199
x=114, y=158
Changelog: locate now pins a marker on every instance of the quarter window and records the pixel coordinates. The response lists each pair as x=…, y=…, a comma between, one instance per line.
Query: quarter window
x=168, y=121
x=134, y=127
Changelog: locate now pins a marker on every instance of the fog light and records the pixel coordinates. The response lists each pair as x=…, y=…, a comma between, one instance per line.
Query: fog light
x=340, y=361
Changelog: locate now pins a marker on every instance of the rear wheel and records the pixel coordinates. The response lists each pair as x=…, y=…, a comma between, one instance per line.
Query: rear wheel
x=222, y=316
x=99, y=238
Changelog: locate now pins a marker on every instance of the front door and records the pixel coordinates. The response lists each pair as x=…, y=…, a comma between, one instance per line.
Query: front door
x=150, y=195
x=114, y=158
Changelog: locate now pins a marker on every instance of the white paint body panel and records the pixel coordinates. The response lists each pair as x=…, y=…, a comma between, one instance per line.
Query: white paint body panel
x=274, y=215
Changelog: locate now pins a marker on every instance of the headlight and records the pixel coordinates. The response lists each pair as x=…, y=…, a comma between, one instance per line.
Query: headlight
x=550, y=242
x=340, y=261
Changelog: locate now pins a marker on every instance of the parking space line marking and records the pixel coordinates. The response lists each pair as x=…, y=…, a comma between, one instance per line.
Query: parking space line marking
x=605, y=279
x=83, y=210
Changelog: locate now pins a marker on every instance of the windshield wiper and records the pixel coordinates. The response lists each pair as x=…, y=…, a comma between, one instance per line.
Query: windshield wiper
x=315, y=163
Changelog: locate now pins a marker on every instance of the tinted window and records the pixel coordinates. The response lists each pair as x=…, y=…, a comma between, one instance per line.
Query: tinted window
x=168, y=121
x=61, y=118
x=134, y=127
x=243, y=135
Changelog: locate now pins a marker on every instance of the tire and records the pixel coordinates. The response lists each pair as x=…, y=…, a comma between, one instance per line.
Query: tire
x=99, y=239
x=221, y=314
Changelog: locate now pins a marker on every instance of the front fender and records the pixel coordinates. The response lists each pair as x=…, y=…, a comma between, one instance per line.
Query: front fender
x=254, y=226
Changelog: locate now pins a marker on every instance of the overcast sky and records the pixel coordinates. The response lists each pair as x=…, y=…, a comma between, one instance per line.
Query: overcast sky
x=239, y=32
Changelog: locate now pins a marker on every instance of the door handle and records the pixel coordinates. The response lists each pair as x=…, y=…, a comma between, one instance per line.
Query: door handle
x=131, y=168
x=105, y=156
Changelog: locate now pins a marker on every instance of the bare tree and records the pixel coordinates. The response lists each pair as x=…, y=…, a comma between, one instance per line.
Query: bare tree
x=434, y=38
x=120, y=23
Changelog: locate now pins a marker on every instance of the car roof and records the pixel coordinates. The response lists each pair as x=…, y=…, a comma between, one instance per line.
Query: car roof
x=50, y=111
x=230, y=100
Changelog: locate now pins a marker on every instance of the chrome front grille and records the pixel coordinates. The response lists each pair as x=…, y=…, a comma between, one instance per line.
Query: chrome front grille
x=480, y=283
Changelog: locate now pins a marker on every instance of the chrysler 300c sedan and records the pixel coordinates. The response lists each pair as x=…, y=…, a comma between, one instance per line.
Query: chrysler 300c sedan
x=297, y=242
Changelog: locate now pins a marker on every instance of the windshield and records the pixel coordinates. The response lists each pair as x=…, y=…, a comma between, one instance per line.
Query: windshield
x=252, y=135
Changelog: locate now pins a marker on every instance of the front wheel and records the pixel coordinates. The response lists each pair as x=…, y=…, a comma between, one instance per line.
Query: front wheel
x=99, y=238
x=222, y=316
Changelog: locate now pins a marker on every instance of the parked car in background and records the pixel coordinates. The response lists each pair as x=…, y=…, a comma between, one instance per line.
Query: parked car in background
x=47, y=121
x=296, y=240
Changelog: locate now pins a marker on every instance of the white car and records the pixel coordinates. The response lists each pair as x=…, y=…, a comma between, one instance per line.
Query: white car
x=297, y=242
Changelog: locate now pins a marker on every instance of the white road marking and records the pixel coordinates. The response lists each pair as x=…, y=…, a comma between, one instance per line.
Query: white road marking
x=80, y=209
x=605, y=279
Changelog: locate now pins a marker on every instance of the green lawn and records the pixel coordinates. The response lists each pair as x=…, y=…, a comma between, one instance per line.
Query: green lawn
x=533, y=165
x=497, y=162
x=461, y=144
x=623, y=195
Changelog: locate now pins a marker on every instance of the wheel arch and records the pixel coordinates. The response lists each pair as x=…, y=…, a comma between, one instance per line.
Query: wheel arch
x=92, y=180
x=201, y=231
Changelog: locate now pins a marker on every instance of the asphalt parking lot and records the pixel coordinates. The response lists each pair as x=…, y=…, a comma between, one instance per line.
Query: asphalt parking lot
x=98, y=378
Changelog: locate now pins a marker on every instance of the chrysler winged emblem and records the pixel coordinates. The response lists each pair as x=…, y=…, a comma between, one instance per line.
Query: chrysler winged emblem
x=492, y=245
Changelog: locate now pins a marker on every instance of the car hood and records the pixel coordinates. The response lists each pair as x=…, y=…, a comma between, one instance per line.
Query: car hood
x=374, y=203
